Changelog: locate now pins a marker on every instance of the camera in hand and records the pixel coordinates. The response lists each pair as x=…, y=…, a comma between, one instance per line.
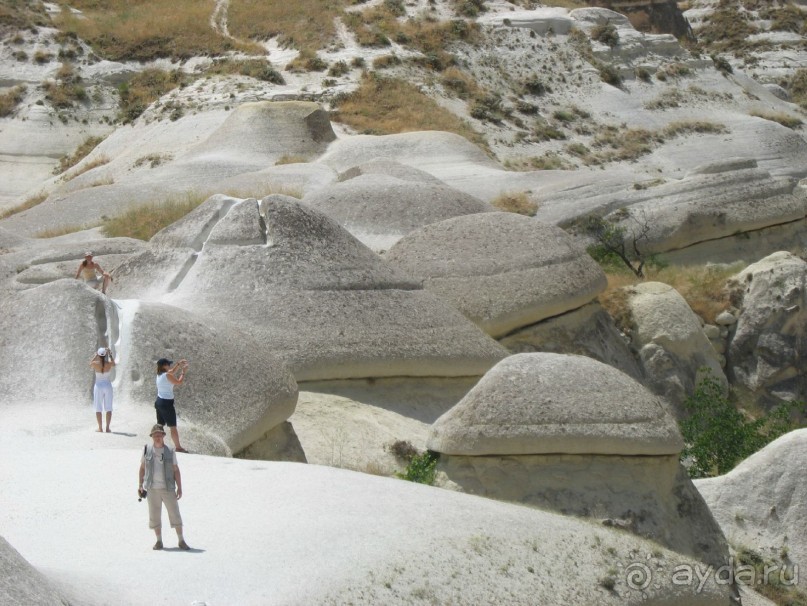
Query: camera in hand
x=141, y=494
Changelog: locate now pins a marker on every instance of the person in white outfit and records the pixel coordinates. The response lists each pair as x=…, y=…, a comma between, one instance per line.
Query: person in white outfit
x=102, y=363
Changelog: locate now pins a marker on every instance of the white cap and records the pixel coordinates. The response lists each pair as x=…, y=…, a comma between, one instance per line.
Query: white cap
x=102, y=351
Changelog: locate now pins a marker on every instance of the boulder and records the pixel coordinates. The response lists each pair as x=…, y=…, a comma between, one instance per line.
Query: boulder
x=502, y=270
x=47, y=336
x=237, y=390
x=22, y=584
x=306, y=288
x=768, y=341
x=672, y=346
x=379, y=209
x=762, y=504
x=576, y=436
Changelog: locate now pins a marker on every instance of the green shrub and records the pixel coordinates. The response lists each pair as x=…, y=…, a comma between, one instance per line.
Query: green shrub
x=606, y=34
x=722, y=64
x=718, y=435
x=422, y=468
x=609, y=74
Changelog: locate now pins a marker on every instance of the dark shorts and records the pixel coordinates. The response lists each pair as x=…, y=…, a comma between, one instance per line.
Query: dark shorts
x=166, y=415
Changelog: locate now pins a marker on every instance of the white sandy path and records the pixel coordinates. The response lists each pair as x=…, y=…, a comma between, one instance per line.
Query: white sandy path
x=277, y=533
x=266, y=533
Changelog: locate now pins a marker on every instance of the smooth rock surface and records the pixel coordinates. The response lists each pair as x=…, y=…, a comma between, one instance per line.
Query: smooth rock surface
x=672, y=346
x=380, y=209
x=502, y=270
x=762, y=503
x=546, y=403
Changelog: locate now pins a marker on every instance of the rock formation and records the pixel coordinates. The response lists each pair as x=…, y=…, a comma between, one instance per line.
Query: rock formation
x=21, y=583
x=762, y=504
x=768, y=340
x=307, y=289
x=502, y=270
x=671, y=344
x=380, y=209
x=579, y=437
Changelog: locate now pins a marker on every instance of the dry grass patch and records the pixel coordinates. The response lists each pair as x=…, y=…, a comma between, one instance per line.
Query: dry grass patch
x=95, y=163
x=782, y=118
x=385, y=106
x=548, y=161
x=515, y=202
x=64, y=230
x=726, y=29
x=291, y=159
x=703, y=288
x=10, y=100
x=302, y=24
x=23, y=14
x=29, y=203
x=148, y=29
x=143, y=89
x=461, y=83
x=142, y=222
x=81, y=152
x=260, y=69
x=381, y=24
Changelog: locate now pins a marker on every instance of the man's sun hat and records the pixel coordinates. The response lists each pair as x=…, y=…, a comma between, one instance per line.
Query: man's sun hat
x=164, y=361
x=102, y=351
x=157, y=429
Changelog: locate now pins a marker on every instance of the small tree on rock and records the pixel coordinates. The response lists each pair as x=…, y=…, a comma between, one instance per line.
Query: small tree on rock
x=613, y=241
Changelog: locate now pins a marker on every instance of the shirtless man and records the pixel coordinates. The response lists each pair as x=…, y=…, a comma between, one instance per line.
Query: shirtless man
x=92, y=273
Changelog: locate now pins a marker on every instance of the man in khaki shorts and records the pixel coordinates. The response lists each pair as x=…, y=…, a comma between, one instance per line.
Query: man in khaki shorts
x=160, y=482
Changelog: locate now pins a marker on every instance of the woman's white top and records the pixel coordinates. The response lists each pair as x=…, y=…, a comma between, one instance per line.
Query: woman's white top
x=100, y=377
x=165, y=389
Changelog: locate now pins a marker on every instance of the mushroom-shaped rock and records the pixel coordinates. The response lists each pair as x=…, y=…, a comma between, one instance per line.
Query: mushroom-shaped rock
x=22, y=584
x=240, y=390
x=379, y=209
x=502, y=270
x=546, y=403
x=324, y=302
x=672, y=345
x=768, y=341
x=762, y=503
x=575, y=435
x=389, y=168
x=256, y=133
x=47, y=337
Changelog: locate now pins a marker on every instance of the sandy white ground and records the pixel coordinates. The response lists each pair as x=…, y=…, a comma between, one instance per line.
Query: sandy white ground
x=285, y=533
